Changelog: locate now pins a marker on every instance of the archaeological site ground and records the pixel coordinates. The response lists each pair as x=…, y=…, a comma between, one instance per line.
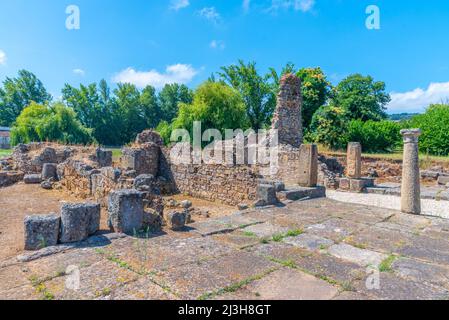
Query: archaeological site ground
x=79, y=222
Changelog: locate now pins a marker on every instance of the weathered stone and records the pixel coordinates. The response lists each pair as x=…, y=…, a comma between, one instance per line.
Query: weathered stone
x=287, y=116
x=177, y=220
x=104, y=157
x=9, y=178
x=360, y=185
x=344, y=184
x=144, y=179
x=354, y=160
x=149, y=136
x=78, y=221
x=299, y=193
x=242, y=206
x=144, y=160
x=443, y=180
x=125, y=210
x=308, y=160
x=309, y=241
x=186, y=204
x=32, y=178
x=362, y=257
x=47, y=185
x=41, y=231
x=266, y=195
x=410, y=190
x=49, y=171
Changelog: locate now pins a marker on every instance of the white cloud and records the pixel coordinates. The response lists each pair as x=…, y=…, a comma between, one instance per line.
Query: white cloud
x=79, y=72
x=179, y=4
x=210, y=14
x=217, y=44
x=246, y=4
x=2, y=57
x=418, y=99
x=177, y=73
x=297, y=5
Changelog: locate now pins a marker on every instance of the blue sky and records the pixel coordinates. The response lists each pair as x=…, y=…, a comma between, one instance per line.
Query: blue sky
x=160, y=41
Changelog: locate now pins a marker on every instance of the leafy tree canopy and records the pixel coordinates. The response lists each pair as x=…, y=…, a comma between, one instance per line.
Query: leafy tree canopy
x=17, y=93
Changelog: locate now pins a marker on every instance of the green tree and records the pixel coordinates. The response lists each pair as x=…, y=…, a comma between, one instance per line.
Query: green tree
x=56, y=123
x=329, y=127
x=315, y=92
x=169, y=99
x=362, y=98
x=17, y=93
x=96, y=109
x=256, y=90
x=375, y=136
x=315, y=89
x=216, y=105
x=434, y=124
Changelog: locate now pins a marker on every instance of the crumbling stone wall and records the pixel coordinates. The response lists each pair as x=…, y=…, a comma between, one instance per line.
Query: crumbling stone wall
x=227, y=184
x=287, y=116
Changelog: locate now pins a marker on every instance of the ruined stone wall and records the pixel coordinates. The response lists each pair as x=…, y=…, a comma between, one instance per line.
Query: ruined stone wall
x=227, y=184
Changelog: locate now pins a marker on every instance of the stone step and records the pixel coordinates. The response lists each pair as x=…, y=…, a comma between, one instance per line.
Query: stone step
x=298, y=193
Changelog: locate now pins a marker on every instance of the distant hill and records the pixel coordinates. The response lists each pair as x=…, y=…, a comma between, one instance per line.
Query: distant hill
x=401, y=116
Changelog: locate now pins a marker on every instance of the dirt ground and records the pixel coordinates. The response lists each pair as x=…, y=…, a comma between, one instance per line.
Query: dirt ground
x=20, y=200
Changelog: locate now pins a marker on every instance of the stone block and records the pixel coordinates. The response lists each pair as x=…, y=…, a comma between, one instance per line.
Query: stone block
x=125, y=211
x=104, y=157
x=299, y=193
x=443, y=180
x=266, y=195
x=144, y=160
x=41, y=231
x=78, y=221
x=144, y=180
x=32, y=178
x=177, y=219
x=344, y=184
x=308, y=162
x=360, y=185
x=354, y=160
x=49, y=171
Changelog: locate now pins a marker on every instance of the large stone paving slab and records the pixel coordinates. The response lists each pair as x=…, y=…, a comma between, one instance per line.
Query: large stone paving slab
x=203, y=278
x=319, y=264
x=237, y=239
x=392, y=287
x=224, y=224
x=291, y=284
x=148, y=255
x=335, y=229
x=97, y=281
x=309, y=241
x=142, y=289
x=422, y=272
x=266, y=230
x=362, y=257
x=380, y=239
x=26, y=292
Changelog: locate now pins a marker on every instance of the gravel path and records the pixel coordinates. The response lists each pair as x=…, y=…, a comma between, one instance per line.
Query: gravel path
x=429, y=207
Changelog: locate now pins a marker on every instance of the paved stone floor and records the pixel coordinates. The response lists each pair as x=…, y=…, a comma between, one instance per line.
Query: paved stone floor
x=316, y=249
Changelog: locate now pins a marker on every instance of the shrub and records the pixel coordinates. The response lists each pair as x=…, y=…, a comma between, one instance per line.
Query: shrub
x=56, y=123
x=329, y=126
x=375, y=136
x=434, y=124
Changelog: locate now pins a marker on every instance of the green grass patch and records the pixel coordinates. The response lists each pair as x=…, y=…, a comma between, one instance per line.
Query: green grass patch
x=385, y=265
x=5, y=152
x=292, y=233
x=249, y=234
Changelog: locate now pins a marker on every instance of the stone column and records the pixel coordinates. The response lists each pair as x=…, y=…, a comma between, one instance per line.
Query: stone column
x=410, y=190
x=287, y=117
x=354, y=160
x=308, y=165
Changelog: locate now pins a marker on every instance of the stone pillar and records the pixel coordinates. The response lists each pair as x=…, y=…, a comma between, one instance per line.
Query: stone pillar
x=354, y=160
x=287, y=116
x=308, y=165
x=410, y=191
